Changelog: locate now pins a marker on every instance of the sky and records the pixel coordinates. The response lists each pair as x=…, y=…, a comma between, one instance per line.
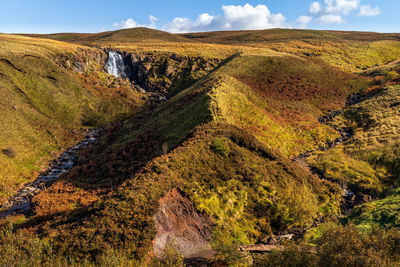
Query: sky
x=54, y=16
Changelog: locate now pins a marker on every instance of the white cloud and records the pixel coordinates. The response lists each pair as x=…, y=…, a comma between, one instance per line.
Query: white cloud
x=153, y=19
x=315, y=8
x=303, y=21
x=203, y=22
x=341, y=6
x=249, y=17
x=246, y=17
x=330, y=19
x=131, y=23
x=334, y=11
x=368, y=11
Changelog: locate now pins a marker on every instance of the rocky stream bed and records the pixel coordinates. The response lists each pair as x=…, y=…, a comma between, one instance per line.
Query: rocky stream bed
x=349, y=198
x=20, y=203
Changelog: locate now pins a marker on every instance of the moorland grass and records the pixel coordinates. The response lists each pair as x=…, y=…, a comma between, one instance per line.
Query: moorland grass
x=368, y=162
x=225, y=142
x=43, y=105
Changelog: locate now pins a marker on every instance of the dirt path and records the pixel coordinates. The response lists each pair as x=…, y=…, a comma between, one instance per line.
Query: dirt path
x=20, y=203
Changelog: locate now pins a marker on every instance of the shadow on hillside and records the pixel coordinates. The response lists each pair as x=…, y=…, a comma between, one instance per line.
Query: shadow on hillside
x=112, y=161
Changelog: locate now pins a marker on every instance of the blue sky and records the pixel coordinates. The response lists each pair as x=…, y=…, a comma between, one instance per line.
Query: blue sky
x=50, y=16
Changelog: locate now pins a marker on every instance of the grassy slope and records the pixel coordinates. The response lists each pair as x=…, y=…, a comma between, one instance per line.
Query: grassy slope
x=383, y=213
x=370, y=162
x=227, y=152
x=226, y=165
x=279, y=99
x=127, y=35
x=43, y=104
x=367, y=162
x=279, y=35
x=351, y=51
x=46, y=100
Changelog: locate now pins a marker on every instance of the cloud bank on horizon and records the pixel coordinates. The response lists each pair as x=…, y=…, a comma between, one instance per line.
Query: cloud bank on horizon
x=249, y=17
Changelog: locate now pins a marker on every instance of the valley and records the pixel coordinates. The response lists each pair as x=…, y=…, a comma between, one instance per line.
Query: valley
x=20, y=203
x=144, y=148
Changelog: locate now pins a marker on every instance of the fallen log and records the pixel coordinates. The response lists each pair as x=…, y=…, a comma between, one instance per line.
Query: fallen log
x=261, y=248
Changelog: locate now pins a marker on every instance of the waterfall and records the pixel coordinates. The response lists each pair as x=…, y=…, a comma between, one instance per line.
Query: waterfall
x=115, y=65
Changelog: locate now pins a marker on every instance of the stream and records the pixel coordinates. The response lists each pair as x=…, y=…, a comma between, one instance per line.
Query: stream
x=345, y=133
x=349, y=198
x=20, y=203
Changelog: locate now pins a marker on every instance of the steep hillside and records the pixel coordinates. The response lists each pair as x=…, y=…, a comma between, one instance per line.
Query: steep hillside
x=221, y=160
x=279, y=99
x=44, y=103
x=50, y=90
x=369, y=163
x=205, y=155
x=370, y=156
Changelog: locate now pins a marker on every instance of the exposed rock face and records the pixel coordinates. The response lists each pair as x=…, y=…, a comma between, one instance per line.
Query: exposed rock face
x=178, y=222
x=165, y=73
x=82, y=59
x=160, y=74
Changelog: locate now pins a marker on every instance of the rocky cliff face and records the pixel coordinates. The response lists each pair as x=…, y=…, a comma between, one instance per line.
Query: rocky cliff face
x=158, y=74
x=166, y=74
x=83, y=59
x=179, y=224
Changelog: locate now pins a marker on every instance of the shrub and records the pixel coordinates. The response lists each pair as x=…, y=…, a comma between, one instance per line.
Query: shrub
x=172, y=257
x=341, y=246
x=291, y=256
x=219, y=146
x=227, y=253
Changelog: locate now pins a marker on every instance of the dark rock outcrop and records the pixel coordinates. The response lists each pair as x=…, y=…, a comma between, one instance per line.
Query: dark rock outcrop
x=165, y=74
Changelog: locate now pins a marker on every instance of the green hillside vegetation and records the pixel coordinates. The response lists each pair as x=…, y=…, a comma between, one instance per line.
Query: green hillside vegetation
x=369, y=161
x=43, y=106
x=246, y=188
x=351, y=51
x=226, y=138
x=383, y=213
x=276, y=99
x=281, y=35
x=50, y=90
x=218, y=157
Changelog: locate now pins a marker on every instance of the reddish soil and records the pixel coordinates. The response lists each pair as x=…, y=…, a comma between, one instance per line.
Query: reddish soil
x=180, y=225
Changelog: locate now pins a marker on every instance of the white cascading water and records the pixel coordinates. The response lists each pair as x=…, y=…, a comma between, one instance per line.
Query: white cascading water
x=115, y=65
